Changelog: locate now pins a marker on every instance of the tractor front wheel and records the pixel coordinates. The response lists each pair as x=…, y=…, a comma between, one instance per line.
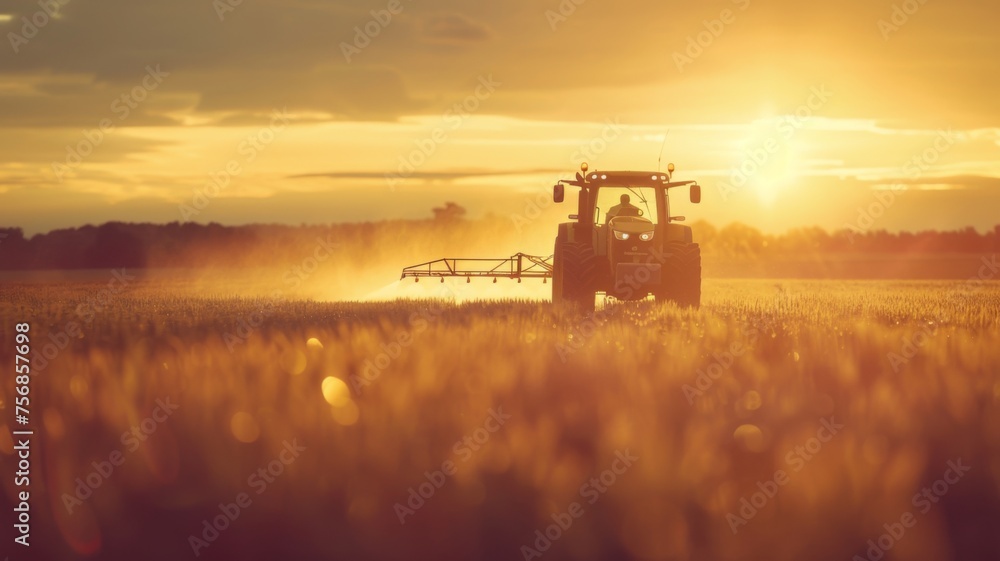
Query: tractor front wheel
x=575, y=269
x=681, y=280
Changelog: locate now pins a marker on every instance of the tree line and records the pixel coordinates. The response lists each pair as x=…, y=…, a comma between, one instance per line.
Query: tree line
x=118, y=244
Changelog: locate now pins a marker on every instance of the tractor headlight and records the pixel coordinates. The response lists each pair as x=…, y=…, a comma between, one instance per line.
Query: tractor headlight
x=621, y=235
x=646, y=236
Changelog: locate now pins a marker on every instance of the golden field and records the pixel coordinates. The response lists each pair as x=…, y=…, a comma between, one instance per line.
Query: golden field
x=710, y=404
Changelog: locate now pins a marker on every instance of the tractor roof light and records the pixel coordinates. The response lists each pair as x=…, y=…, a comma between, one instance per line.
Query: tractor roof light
x=670, y=168
x=628, y=179
x=584, y=167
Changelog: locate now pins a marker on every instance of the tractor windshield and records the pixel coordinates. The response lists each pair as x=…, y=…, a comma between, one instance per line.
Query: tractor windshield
x=625, y=201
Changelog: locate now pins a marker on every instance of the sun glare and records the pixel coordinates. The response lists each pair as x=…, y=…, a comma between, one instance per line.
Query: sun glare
x=772, y=159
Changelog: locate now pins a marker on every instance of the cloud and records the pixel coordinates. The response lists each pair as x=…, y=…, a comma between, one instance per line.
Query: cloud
x=271, y=52
x=606, y=60
x=945, y=182
x=431, y=175
x=454, y=29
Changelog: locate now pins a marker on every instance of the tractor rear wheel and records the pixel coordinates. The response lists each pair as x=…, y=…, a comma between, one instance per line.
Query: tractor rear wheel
x=681, y=280
x=575, y=269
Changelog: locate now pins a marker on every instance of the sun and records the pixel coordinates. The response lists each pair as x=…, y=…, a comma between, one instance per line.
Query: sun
x=772, y=161
x=780, y=173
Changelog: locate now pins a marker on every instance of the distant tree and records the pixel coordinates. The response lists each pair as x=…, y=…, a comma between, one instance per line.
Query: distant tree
x=741, y=240
x=449, y=212
x=115, y=246
x=704, y=232
x=13, y=249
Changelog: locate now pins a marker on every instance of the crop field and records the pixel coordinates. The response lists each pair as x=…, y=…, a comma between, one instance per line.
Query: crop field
x=783, y=420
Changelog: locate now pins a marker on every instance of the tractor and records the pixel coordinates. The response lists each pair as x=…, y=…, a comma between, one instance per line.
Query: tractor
x=626, y=251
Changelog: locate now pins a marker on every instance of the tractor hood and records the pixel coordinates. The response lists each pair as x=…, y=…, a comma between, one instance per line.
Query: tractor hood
x=631, y=225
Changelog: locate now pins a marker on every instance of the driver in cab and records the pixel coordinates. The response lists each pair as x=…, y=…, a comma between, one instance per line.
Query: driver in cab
x=626, y=208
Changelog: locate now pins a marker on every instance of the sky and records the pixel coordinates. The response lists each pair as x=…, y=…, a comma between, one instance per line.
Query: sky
x=861, y=114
